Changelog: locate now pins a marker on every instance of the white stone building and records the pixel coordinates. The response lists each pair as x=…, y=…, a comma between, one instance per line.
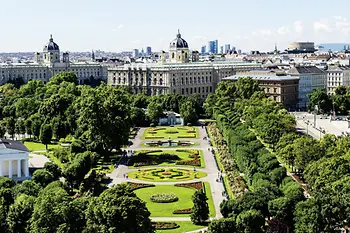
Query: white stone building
x=48, y=63
x=178, y=75
x=14, y=159
x=337, y=76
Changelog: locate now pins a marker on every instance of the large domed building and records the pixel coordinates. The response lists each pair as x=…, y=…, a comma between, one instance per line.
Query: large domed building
x=51, y=52
x=178, y=50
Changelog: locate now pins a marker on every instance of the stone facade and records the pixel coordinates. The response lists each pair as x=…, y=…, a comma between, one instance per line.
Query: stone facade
x=48, y=63
x=281, y=88
x=177, y=75
x=337, y=76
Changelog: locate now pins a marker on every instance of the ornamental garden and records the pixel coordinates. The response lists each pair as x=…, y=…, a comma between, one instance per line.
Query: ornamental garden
x=183, y=167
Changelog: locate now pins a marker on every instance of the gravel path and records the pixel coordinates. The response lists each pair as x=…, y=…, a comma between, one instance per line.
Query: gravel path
x=211, y=169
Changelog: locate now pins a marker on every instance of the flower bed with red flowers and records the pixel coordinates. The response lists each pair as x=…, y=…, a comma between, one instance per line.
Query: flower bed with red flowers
x=183, y=211
x=195, y=185
x=165, y=225
x=166, y=173
x=194, y=162
x=135, y=186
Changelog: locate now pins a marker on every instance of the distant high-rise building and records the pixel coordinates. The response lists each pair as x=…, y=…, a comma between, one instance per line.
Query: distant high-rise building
x=135, y=53
x=239, y=51
x=227, y=48
x=213, y=47
x=203, y=49
x=233, y=49
x=148, y=50
x=222, y=50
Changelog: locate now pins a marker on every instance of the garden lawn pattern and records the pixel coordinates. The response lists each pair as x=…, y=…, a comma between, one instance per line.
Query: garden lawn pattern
x=167, y=209
x=163, y=132
x=179, y=157
x=166, y=174
x=184, y=227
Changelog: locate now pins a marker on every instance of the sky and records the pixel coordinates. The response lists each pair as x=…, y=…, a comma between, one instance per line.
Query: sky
x=122, y=25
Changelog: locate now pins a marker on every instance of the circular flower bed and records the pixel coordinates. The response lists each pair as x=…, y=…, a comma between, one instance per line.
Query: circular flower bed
x=164, y=197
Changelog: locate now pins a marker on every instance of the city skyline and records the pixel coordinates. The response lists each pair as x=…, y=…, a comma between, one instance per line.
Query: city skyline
x=118, y=26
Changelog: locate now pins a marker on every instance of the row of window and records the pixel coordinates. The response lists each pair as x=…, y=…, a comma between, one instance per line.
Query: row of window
x=195, y=90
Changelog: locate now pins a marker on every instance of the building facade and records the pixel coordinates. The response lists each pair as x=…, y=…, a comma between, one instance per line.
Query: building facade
x=178, y=75
x=48, y=63
x=14, y=159
x=310, y=77
x=213, y=47
x=280, y=87
x=337, y=76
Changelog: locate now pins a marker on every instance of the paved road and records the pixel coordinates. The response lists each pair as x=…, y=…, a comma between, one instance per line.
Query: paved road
x=37, y=161
x=211, y=169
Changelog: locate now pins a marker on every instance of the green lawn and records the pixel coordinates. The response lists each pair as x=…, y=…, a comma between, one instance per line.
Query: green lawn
x=146, y=174
x=184, y=227
x=35, y=146
x=163, y=132
x=182, y=156
x=166, y=209
x=175, y=147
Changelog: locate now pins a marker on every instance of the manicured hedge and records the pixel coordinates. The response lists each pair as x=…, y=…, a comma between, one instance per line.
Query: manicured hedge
x=165, y=225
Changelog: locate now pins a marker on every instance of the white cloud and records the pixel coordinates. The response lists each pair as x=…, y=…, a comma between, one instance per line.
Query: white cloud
x=283, y=30
x=298, y=27
x=265, y=32
x=322, y=26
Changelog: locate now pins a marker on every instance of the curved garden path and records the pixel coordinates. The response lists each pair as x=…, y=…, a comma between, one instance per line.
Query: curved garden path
x=210, y=168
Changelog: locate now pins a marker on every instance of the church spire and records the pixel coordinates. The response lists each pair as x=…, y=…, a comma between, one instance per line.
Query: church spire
x=276, y=50
x=51, y=39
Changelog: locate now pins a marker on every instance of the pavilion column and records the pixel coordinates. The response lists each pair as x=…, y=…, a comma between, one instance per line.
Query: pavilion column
x=26, y=168
x=10, y=168
x=19, y=172
x=1, y=169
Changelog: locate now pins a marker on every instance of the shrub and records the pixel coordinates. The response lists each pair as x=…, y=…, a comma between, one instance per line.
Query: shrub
x=187, y=136
x=183, y=211
x=165, y=225
x=164, y=197
x=153, y=137
x=195, y=185
x=193, y=162
x=135, y=186
x=171, y=131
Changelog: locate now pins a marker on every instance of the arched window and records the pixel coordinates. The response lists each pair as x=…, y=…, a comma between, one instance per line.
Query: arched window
x=131, y=80
x=174, y=82
x=173, y=55
x=202, y=79
x=161, y=81
x=118, y=80
x=206, y=79
x=210, y=79
x=124, y=80
x=182, y=81
x=190, y=80
x=199, y=80
x=185, y=55
x=136, y=81
x=113, y=80
x=155, y=81
x=186, y=81
x=191, y=90
x=141, y=81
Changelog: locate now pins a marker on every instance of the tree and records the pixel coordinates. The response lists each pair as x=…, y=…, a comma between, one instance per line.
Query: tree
x=320, y=98
x=43, y=177
x=155, y=112
x=54, y=169
x=27, y=187
x=200, y=210
x=59, y=128
x=36, y=123
x=250, y=221
x=188, y=112
x=118, y=209
x=20, y=213
x=224, y=225
x=28, y=127
x=10, y=126
x=54, y=211
x=307, y=217
x=63, y=77
x=138, y=117
x=2, y=129
x=45, y=134
x=20, y=127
